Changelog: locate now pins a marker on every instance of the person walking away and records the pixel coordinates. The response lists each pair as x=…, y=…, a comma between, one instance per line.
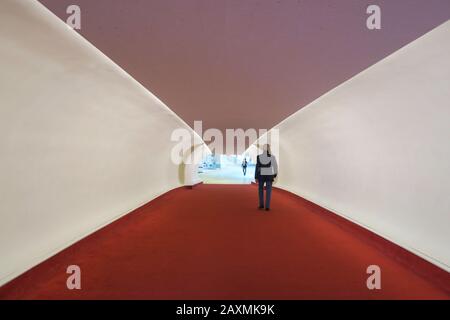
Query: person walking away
x=265, y=172
x=244, y=166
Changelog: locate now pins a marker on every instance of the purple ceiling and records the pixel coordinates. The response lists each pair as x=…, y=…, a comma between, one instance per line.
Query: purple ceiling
x=247, y=63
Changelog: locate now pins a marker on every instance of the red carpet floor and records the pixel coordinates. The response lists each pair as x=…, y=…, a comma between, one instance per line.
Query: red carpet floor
x=212, y=243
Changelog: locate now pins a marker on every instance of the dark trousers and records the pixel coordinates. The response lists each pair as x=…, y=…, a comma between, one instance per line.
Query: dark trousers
x=261, y=183
x=244, y=169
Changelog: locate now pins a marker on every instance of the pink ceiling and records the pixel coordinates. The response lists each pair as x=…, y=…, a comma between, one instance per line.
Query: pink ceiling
x=247, y=63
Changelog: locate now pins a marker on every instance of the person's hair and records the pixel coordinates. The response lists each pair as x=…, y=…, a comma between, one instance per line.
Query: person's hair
x=266, y=147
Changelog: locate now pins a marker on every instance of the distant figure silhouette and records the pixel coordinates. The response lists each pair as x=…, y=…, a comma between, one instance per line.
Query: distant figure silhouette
x=244, y=166
x=265, y=172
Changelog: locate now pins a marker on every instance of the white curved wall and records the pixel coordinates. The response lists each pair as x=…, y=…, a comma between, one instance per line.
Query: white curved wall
x=81, y=142
x=376, y=149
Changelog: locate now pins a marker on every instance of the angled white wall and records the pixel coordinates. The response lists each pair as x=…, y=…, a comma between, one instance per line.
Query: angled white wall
x=81, y=142
x=376, y=149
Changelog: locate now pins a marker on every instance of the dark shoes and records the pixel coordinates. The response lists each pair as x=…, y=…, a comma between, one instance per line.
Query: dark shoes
x=260, y=207
x=267, y=209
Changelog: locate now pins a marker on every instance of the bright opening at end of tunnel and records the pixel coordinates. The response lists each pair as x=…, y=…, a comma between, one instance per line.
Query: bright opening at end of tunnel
x=227, y=169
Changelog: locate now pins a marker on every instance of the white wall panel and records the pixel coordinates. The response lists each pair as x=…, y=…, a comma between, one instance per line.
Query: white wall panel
x=81, y=142
x=376, y=149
